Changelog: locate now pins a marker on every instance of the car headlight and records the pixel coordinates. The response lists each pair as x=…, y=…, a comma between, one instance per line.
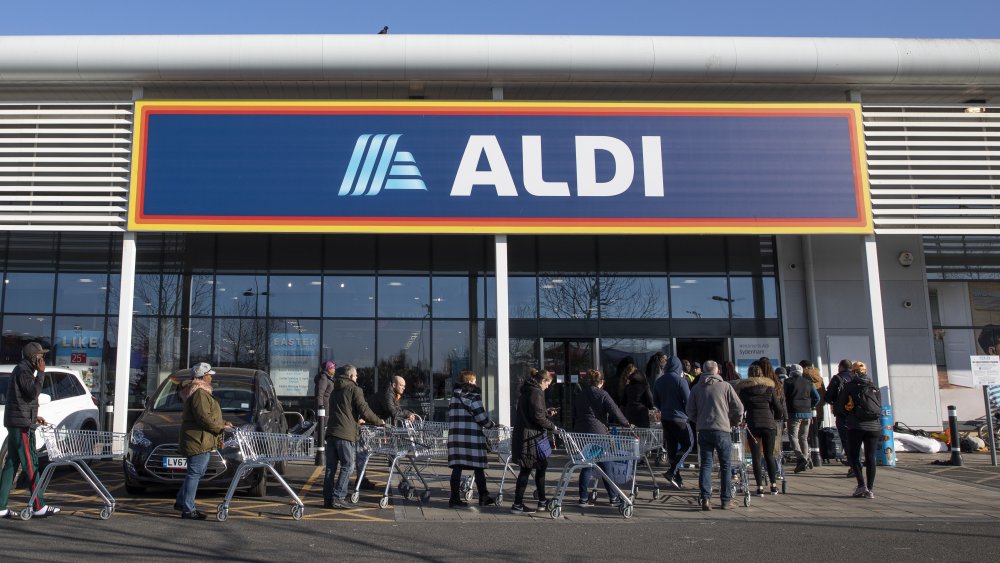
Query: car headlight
x=137, y=438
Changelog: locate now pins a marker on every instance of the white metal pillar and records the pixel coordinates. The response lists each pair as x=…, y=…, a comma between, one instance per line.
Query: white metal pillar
x=873, y=281
x=123, y=367
x=503, y=333
x=812, y=311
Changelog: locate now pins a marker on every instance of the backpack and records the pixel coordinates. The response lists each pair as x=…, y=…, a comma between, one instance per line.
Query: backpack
x=865, y=401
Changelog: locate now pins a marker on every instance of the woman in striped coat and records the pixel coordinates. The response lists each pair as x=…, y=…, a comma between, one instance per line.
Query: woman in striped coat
x=466, y=442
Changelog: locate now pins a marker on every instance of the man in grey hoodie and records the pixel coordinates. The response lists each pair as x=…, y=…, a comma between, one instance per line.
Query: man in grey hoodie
x=715, y=408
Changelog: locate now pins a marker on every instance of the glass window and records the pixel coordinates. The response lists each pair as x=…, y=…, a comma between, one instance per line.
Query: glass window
x=173, y=294
x=155, y=355
x=243, y=251
x=66, y=386
x=450, y=297
x=521, y=297
x=20, y=330
x=451, y=355
x=403, y=296
x=694, y=297
x=488, y=296
x=742, y=297
x=352, y=342
x=349, y=296
x=202, y=288
x=32, y=251
x=293, y=349
x=146, y=295
x=567, y=254
x=82, y=293
x=521, y=255
x=84, y=252
x=28, y=292
x=241, y=342
x=459, y=253
x=403, y=350
x=567, y=297
x=200, y=342
x=628, y=297
x=235, y=295
x=744, y=254
x=770, y=298
x=113, y=287
x=80, y=345
x=295, y=296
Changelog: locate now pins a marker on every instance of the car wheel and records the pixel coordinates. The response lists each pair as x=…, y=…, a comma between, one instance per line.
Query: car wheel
x=259, y=489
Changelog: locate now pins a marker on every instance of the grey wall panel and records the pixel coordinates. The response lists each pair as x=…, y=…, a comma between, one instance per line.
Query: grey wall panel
x=843, y=304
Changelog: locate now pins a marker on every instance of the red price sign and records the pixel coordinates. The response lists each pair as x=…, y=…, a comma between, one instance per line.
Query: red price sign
x=77, y=358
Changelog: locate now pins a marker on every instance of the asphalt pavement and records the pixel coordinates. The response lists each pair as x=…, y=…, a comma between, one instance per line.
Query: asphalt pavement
x=916, y=515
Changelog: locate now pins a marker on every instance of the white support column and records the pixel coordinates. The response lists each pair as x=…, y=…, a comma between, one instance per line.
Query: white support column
x=812, y=311
x=874, y=286
x=123, y=367
x=503, y=333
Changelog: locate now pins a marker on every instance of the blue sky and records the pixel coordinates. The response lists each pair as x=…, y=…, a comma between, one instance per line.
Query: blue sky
x=844, y=18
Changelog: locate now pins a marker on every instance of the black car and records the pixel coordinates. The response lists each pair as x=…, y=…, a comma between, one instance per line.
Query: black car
x=248, y=401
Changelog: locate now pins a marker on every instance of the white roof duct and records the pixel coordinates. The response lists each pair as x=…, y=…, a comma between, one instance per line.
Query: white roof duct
x=500, y=59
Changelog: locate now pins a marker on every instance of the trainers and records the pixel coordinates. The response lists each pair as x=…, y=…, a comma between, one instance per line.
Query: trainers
x=487, y=500
x=859, y=491
x=6, y=513
x=584, y=503
x=367, y=485
x=49, y=510
x=542, y=506
x=520, y=509
x=869, y=494
x=705, y=506
x=801, y=465
x=457, y=503
x=338, y=504
x=727, y=505
x=196, y=515
x=616, y=502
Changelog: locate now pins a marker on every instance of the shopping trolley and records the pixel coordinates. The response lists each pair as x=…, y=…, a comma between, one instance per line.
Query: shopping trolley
x=67, y=446
x=262, y=450
x=738, y=460
x=407, y=448
x=497, y=442
x=588, y=450
x=650, y=443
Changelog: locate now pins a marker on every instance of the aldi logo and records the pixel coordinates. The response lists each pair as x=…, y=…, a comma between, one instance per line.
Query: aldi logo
x=376, y=165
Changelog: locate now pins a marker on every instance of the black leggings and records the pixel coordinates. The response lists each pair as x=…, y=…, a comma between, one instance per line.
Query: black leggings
x=522, y=481
x=456, y=481
x=868, y=438
x=764, y=439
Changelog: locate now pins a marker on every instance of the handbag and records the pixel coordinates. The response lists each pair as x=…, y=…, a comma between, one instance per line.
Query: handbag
x=543, y=447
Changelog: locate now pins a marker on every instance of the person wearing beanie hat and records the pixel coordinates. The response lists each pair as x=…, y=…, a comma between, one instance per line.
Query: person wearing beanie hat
x=20, y=417
x=801, y=398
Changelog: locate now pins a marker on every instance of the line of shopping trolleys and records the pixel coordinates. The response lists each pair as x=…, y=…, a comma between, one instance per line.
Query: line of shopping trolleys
x=408, y=450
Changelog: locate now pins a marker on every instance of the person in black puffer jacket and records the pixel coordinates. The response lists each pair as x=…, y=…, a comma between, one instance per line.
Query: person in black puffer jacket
x=762, y=408
x=638, y=400
x=860, y=431
x=593, y=408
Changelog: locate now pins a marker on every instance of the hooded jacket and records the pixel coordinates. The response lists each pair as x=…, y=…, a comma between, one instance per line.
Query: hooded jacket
x=714, y=405
x=800, y=395
x=324, y=388
x=201, y=421
x=23, y=390
x=760, y=402
x=671, y=392
x=347, y=405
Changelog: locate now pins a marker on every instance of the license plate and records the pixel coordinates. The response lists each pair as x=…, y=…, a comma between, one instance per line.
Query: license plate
x=175, y=462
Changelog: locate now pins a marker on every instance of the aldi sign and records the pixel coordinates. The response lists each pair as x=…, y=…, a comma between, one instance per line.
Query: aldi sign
x=498, y=167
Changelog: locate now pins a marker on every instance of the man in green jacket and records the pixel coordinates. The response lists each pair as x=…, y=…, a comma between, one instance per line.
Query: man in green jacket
x=201, y=434
x=347, y=406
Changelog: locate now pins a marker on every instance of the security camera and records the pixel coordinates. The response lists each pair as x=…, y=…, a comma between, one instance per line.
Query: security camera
x=907, y=303
x=792, y=266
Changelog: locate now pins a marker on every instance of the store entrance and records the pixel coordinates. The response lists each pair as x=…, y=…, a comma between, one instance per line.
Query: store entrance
x=703, y=349
x=567, y=360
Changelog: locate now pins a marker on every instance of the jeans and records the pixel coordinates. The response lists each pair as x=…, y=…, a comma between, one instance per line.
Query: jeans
x=762, y=448
x=721, y=443
x=585, y=475
x=360, y=457
x=196, y=467
x=798, y=434
x=337, y=452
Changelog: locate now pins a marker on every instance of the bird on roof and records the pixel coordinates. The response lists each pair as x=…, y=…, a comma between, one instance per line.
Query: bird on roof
x=385, y=30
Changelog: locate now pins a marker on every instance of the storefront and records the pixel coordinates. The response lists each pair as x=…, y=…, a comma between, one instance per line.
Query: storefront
x=237, y=222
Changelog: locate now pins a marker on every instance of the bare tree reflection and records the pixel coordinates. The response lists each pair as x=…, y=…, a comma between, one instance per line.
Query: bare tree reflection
x=581, y=297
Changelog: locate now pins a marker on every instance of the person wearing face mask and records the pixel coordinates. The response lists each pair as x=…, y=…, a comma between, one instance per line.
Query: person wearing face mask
x=21, y=418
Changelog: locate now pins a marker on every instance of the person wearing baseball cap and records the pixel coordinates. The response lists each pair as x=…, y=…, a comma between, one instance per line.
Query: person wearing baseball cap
x=21, y=418
x=200, y=435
